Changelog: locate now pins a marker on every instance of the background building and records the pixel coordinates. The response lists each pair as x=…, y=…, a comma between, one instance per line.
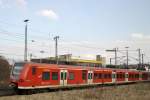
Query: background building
x=68, y=59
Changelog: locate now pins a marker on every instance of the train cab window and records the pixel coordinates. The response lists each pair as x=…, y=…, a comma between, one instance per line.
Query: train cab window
x=33, y=70
x=54, y=75
x=71, y=76
x=46, y=76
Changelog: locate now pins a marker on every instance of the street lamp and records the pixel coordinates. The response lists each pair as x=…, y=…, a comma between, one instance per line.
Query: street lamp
x=26, y=48
x=114, y=50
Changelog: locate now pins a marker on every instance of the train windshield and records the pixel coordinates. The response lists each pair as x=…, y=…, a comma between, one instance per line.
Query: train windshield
x=16, y=70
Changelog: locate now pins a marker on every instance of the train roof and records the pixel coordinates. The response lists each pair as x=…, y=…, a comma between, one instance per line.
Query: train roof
x=78, y=67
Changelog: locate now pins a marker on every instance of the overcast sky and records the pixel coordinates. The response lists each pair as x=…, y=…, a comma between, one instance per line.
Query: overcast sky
x=85, y=27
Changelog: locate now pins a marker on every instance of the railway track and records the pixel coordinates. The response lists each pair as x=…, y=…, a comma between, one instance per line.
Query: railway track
x=6, y=92
x=10, y=92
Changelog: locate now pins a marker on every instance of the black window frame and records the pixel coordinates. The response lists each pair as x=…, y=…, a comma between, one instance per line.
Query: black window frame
x=45, y=76
x=71, y=76
x=34, y=70
x=84, y=75
x=100, y=75
x=54, y=75
x=96, y=75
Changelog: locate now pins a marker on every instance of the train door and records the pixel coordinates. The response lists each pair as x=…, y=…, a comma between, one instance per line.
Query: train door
x=126, y=76
x=114, y=77
x=90, y=77
x=63, y=77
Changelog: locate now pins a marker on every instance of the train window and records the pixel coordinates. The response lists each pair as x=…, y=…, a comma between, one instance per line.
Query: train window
x=121, y=75
x=117, y=75
x=100, y=75
x=97, y=65
x=91, y=65
x=84, y=74
x=109, y=75
x=89, y=75
x=96, y=76
x=33, y=70
x=45, y=76
x=132, y=75
x=129, y=75
x=71, y=76
x=65, y=74
x=61, y=75
x=105, y=76
x=113, y=75
x=126, y=75
x=54, y=75
x=136, y=75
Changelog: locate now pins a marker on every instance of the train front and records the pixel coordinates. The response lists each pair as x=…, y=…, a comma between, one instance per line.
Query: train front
x=15, y=75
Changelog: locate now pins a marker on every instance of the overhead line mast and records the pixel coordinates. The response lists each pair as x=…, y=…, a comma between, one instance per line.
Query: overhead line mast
x=114, y=50
x=139, y=52
x=56, y=48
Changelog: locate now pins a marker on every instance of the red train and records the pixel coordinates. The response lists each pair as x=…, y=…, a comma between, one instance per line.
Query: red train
x=28, y=75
